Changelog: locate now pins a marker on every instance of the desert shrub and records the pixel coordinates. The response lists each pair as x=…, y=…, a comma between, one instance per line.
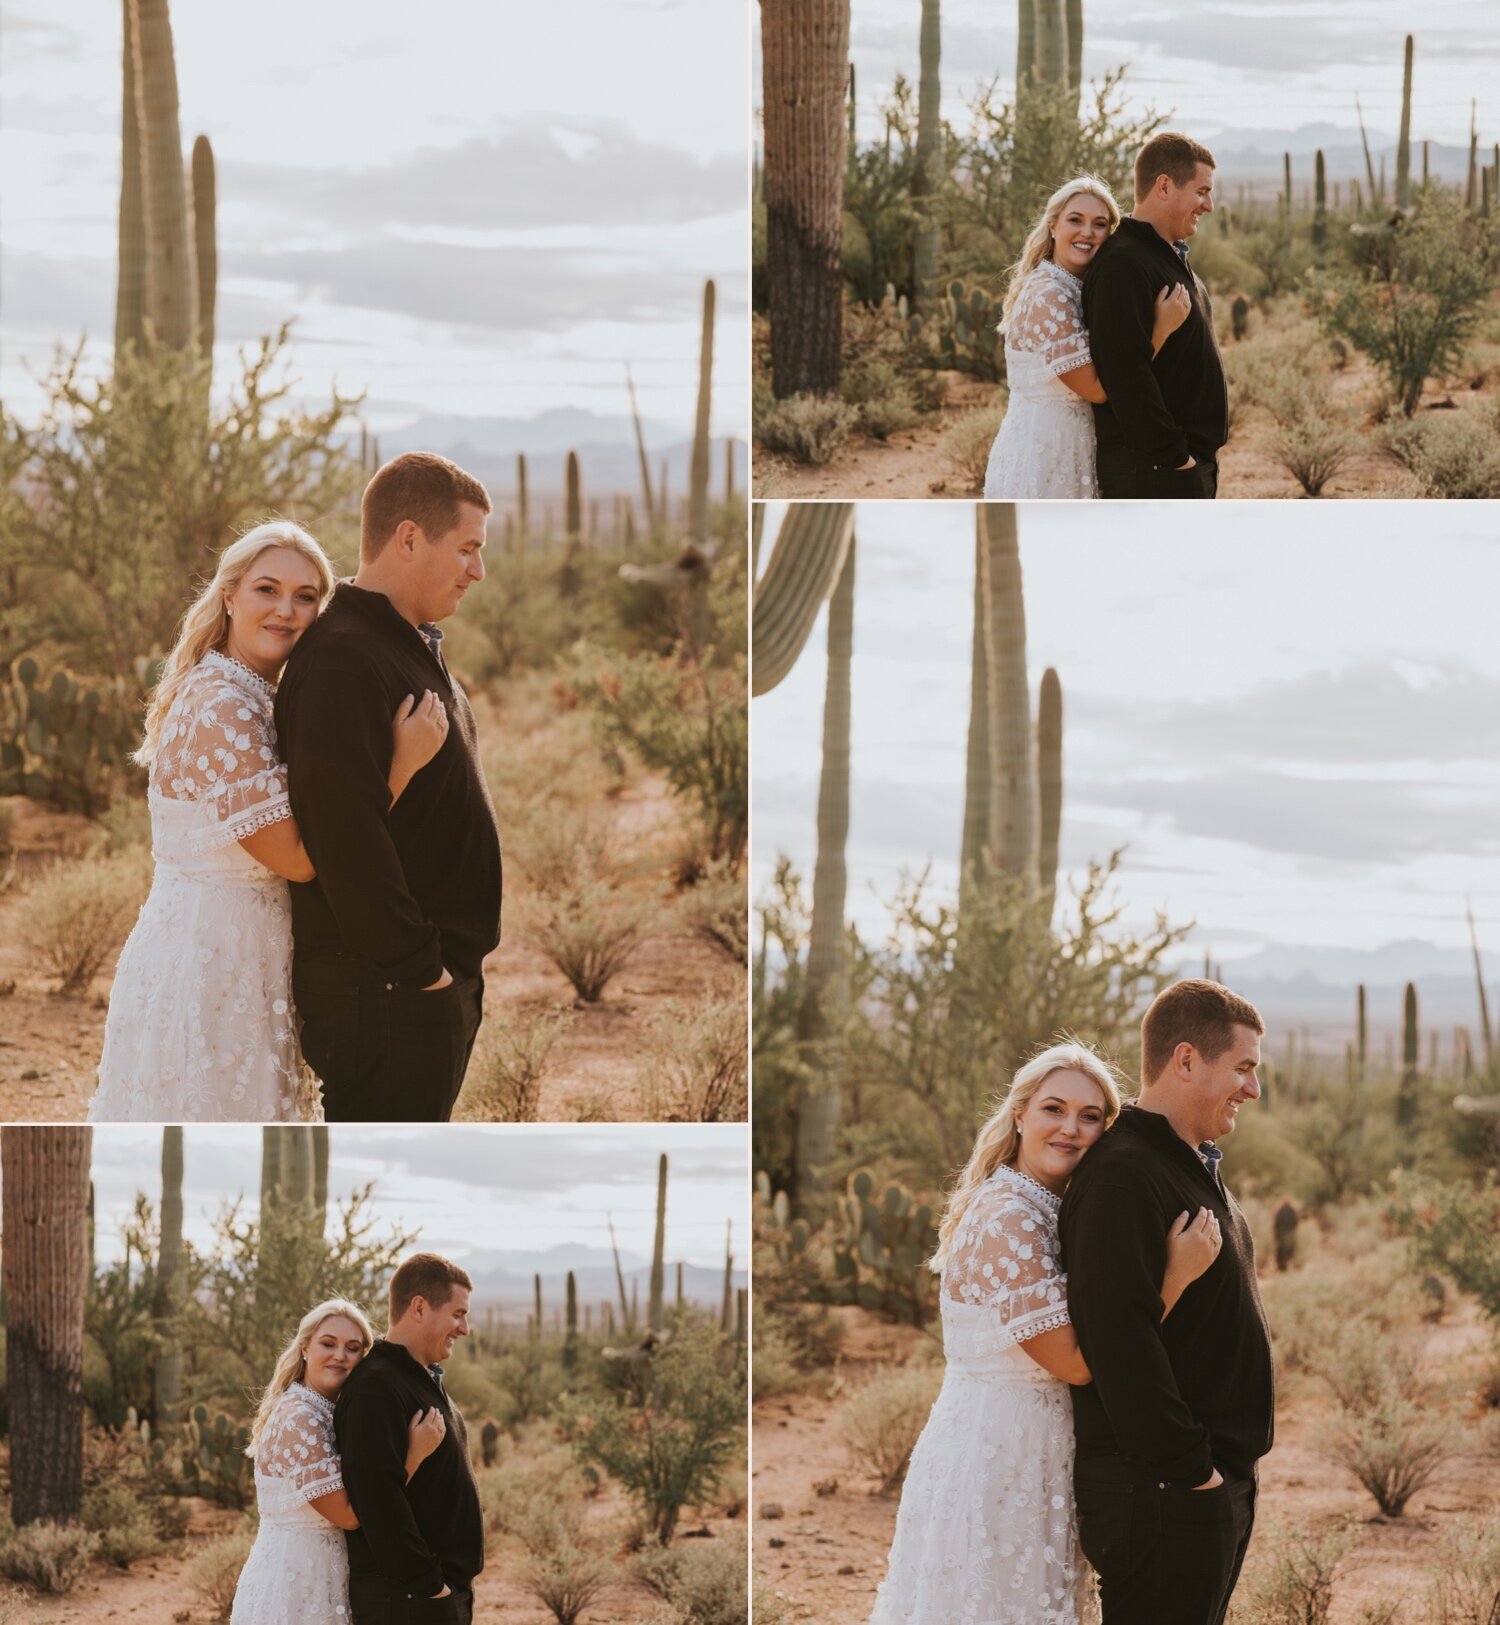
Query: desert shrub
x=1465, y=1575
x=1291, y=1579
x=1393, y=1448
x=1362, y=1366
x=773, y=1367
x=124, y=826
x=77, y=914
x=807, y=427
x=767, y=1608
x=589, y=933
x=1313, y=440
x=881, y=1424
x=215, y=1572
x=966, y=442
x=882, y=417
x=506, y=1084
x=886, y=400
x=566, y=1579
x=670, y=1451
x=1453, y=1225
x=7, y=828
x=1450, y=454
x=698, y=1064
x=1417, y=299
x=717, y=908
x=704, y=1581
x=536, y=1496
x=1277, y=259
x=51, y=1557
x=126, y=1524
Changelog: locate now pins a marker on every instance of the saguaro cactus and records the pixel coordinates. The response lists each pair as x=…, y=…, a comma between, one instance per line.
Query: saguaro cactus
x=1051, y=66
x=169, y=288
x=1049, y=733
x=570, y=1338
x=1403, y=143
x=658, y=1248
x=698, y=476
x=166, y=1381
x=205, y=242
x=1362, y=1036
x=1320, y=201
x=805, y=46
x=573, y=514
x=130, y=289
x=1012, y=809
x=1075, y=46
x=1406, y=1093
x=929, y=151
x=1025, y=42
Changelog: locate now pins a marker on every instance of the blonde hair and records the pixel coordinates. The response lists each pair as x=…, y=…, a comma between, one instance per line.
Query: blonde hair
x=1038, y=245
x=293, y=1360
x=999, y=1139
x=206, y=624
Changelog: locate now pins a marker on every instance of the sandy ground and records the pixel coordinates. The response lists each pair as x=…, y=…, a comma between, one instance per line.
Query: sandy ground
x=49, y=1045
x=156, y=1591
x=825, y=1554
x=910, y=464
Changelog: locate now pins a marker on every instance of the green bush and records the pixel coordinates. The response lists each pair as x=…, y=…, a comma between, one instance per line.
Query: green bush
x=807, y=427
x=881, y=1424
x=126, y=1524
x=504, y=1085
x=704, y=1581
x=589, y=932
x=1450, y=454
x=215, y=1572
x=1465, y=1576
x=51, y=1557
x=77, y=914
x=566, y=1579
x=1393, y=1448
x=1453, y=1225
x=717, y=908
x=698, y=1064
x=966, y=442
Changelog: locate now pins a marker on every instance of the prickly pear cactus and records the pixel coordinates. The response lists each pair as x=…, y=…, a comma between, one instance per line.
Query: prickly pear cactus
x=962, y=333
x=62, y=743
x=880, y=1250
x=213, y=1460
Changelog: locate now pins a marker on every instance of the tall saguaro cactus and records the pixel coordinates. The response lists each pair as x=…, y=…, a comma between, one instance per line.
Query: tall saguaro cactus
x=805, y=46
x=698, y=475
x=1075, y=47
x=130, y=289
x=166, y=1380
x=1320, y=201
x=1362, y=1034
x=573, y=512
x=44, y=1172
x=169, y=285
x=1406, y=1092
x=658, y=1248
x=1403, y=143
x=570, y=1335
x=205, y=242
x=1012, y=807
x=929, y=150
x=1051, y=42
x=1025, y=42
x=1049, y=737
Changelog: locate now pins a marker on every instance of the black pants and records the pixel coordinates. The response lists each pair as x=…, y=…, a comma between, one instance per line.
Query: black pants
x=1165, y=1554
x=1124, y=477
x=373, y=1602
x=385, y=1054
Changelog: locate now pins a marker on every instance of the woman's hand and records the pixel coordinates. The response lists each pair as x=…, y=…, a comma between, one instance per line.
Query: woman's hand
x=420, y=727
x=1174, y=304
x=1192, y=1245
x=424, y=1433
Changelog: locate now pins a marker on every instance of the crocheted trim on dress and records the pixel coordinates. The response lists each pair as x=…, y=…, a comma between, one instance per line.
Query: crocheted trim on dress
x=322, y=1401
x=239, y=670
x=1025, y=1328
x=1066, y=363
x=215, y=836
x=1031, y=1187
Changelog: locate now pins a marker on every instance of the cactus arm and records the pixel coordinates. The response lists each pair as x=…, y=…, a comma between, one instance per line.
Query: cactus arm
x=130, y=291
x=1013, y=823
x=205, y=242
x=804, y=566
x=1049, y=736
x=698, y=477
x=1403, y=144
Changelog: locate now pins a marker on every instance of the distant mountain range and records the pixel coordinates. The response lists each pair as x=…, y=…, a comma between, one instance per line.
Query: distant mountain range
x=1255, y=157
x=607, y=456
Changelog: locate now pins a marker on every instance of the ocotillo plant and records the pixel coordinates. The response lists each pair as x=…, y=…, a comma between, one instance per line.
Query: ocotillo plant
x=166, y=1377
x=928, y=173
x=1369, y=161
x=205, y=242
x=1485, y=1036
x=698, y=475
x=626, y=1317
x=640, y=446
x=658, y=1266
x=1403, y=143
x=1406, y=1093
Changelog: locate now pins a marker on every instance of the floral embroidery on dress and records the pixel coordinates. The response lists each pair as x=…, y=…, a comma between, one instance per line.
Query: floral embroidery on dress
x=1047, y=319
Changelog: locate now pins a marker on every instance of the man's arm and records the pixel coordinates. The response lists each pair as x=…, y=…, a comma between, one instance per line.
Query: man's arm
x=372, y=1443
x=1120, y=305
x=338, y=742
x=1116, y=1250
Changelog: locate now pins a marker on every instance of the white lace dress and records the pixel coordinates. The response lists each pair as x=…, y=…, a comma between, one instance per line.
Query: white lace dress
x=986, y=1533
x=1045, y=447
x=201, y=1026
x=298, y=1569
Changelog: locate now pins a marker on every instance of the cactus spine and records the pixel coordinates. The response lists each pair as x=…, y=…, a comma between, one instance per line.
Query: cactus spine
x=166, y=1377
x=1403, y=144
x=929, y=151
x=205, y=242
x=698, y=477
x=658, y=1248
x=1406, y=1094
x=130, y=290
x=1049, y=734
x=169, y=289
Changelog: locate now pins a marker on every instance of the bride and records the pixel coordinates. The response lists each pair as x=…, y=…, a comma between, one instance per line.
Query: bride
x=987, y=1530
x=1045, y=447
x=201, y=1025
x=298, y=1568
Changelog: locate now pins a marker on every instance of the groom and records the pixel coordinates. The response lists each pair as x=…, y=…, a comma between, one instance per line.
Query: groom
x=1159, y=432
x=419, y=1544
x=390, y=938
x=1179, y=1410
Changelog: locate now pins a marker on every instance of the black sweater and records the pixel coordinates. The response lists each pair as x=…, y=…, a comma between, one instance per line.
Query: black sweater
x=1187, y=1394
x=1160, y=410
x=412, y=888
x=417, y=1536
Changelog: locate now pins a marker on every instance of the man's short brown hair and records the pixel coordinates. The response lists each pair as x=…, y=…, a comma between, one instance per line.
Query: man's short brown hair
x=420, y=486
x=1173, y=155
x=425, y=1275
x=1195, y=1012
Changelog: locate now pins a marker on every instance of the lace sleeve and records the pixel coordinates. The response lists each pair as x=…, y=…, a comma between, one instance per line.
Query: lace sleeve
x=1047, y=321
x=218, y=748
x=298, y=1445
x=1005, y=1257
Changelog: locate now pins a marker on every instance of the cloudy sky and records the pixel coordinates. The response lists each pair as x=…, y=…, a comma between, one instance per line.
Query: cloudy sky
x=485, y=1189
x=475, y=209
x=1292, y=725
x=1222, y=64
